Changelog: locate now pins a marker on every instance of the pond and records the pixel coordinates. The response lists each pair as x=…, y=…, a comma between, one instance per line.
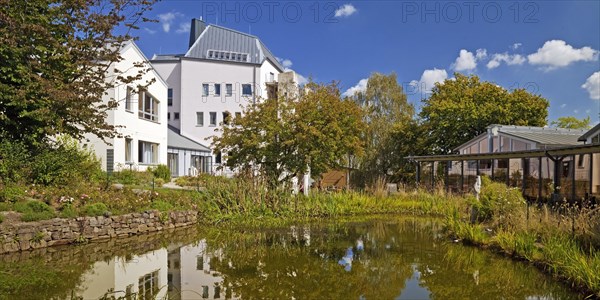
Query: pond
x=381, y=258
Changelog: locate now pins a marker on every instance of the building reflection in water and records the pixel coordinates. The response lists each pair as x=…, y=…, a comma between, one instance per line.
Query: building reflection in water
x=144, y=275
x=175, y=272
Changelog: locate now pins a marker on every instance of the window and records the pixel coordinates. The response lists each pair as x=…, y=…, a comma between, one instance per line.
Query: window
x=148, y=107
x=596, y=139
x=217, y=89
x=246, y=89
x=170, y=97
x=271, y=77
x=581, y=161
x=128, y=98
x=199, y=263
x=176, y=116
x=204, y=89
x=217, y=292
x=238, y=114
x=205, y=291
x=168, y=116
x=228, y=89
x=218, y=158
x=147, y=152
x=128, y=145
x=226, y=117
x=213, y=118
x=148, y=285
x=210, y=54
x=200, y=118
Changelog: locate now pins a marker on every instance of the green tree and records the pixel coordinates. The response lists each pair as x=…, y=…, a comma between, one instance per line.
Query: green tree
x=460, y=109
x=572, y=123
x=54, y=55
x=283, y=138
x=389, y=127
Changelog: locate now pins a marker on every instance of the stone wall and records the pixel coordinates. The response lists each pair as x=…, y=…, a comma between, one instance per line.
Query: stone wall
x=34, y=235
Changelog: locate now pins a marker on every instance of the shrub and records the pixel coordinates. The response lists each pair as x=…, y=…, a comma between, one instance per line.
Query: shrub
x=130, y=177
x=162, y=172
x=68, y=212
x=37, y=216
x=34, y=210
x=162, y=205
x=158, y=182
x=1, y=218
x=499, y=203
x=95, y=209
x=11, y=193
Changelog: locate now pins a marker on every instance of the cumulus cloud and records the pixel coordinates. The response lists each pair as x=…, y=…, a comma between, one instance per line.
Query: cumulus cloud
x=167, y=19
x=184, y=27
x=345, y=10
x=481, y=54
x=465, y=61
x=509, y=59
x=361, y=86
x=563, y=105
x=516, y=46
x=592, y=85
x=557, y=53
x=429, y=79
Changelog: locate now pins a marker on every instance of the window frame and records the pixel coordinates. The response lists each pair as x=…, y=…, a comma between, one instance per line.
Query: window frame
x=246, y=86
x=217, y=87
x=154, y=106
x=205, y=90
x=228, y=89
x=169, y=97
x=148, y=149
x=212, y=121
x=201, y=119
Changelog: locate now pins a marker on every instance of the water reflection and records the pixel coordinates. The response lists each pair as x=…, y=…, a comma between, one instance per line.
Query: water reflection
x=375, y=259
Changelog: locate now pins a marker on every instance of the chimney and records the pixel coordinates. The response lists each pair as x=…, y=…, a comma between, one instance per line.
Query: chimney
x=198, y=26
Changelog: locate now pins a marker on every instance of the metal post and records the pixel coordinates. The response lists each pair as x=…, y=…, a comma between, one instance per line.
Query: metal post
x=508, y=171
x=462, y=175
x=448, y=163
x=557, y=172
x=432, y=174
x=573, y=190
x=493, y=161
x=477, y=168
x=540, y=178
x=418, y=173
x=525, y=167
x=591, y=172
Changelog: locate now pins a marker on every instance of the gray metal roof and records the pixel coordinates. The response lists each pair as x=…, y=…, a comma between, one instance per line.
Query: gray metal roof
x=544, y=135
x=219, y=38
x=591, y=132
x=177, y=141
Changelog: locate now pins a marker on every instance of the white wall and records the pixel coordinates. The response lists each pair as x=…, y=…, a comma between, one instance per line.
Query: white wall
x=131, y=125
x=170, y=71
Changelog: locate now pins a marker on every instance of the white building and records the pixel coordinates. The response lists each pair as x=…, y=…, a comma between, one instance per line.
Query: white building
x=140, y=117
x=222, y=71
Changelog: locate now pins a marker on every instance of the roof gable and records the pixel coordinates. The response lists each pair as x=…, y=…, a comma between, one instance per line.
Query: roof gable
x=215, y=41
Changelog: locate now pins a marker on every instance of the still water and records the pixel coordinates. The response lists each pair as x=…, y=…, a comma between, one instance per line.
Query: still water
x=387, y=258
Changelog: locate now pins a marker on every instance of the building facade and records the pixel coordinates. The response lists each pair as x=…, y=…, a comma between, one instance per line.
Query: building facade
x=223, y=71
x=140, y=117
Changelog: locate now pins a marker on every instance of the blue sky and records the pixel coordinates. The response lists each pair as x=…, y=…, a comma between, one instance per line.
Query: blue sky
x=548, y=47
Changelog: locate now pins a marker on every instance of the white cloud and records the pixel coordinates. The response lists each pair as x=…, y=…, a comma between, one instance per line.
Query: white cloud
x=498, y=58
x=184, y=27
x=361, y=86
x=557, y=53
x=429, y=79
x=150, y=31
x=465, y=61
x=481, y=54
x=592, y=85
x=563, y=105
x=167, y=19
x=575, y=111
x=516, y=46
x=345, y=10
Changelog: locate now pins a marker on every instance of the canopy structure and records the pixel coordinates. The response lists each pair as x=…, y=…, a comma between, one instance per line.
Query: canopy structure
x=571, y=172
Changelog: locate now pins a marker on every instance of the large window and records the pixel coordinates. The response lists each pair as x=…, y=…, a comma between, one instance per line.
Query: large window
x=128, y=146
x=148, y=107
x=199, y=118
x=226, y=117
x=246, y=89
x=228, y=89
x=148, y=286
x=217, y=89
x=170, y=97
x=213, y=118
x=128, y=98
x=205, y=89
x=147, y=152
